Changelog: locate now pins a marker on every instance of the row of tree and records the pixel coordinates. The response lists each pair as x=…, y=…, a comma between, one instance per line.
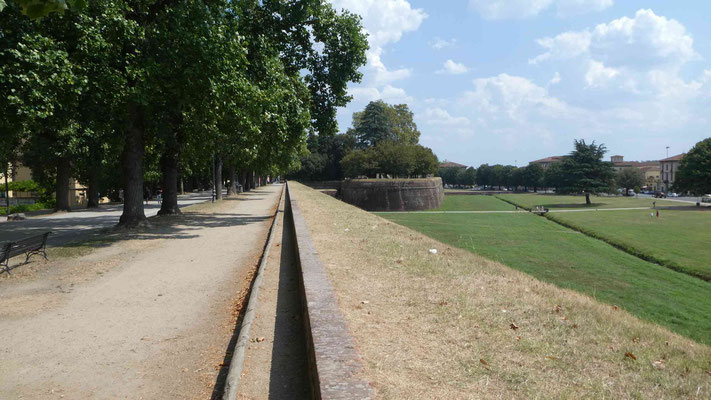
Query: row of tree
x=124, y=91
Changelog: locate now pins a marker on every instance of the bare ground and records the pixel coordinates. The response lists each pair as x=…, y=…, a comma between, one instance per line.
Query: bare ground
x=453, y=325
x=147, y=315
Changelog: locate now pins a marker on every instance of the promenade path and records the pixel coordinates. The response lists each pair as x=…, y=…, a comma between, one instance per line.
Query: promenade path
x=149, y=317
x=73, y=225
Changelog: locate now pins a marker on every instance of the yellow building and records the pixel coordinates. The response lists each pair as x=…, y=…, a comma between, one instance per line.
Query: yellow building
x=77, y=192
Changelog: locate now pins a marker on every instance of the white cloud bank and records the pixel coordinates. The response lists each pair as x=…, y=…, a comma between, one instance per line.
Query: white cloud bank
x=440, y=44
x=520, y=9
x=453, y=68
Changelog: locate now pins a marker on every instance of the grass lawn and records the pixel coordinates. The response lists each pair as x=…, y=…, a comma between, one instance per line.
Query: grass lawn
x=572, y=260
x=456, y=325
x=680, y=239
x=561, y=201
x=474, y=203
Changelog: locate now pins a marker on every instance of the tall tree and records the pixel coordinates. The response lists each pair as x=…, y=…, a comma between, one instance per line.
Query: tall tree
x=381, y=122
x=694, y=173
x=585, y=172
x=629, y=178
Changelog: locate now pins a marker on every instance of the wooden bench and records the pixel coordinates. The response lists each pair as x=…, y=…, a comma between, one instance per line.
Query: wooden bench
x=28, y=246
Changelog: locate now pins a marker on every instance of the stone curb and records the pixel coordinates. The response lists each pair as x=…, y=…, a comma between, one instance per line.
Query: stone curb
x=335, y=368
x=237, y=362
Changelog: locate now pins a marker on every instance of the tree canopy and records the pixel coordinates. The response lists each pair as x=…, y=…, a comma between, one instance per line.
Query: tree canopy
x=133, y=95
x=584, y=172
x=694, y=174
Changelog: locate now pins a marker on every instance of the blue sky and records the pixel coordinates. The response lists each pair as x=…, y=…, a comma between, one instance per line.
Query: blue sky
x=510, y=81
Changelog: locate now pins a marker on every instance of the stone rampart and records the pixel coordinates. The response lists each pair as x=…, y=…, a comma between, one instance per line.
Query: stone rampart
x=393, y=194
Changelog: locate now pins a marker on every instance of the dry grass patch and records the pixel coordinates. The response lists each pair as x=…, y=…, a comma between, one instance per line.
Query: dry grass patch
x=456, y=325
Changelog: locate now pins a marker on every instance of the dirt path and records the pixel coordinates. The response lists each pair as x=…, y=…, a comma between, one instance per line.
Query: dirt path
x=147, y=318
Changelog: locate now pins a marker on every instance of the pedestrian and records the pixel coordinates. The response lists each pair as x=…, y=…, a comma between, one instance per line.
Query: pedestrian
x=654, y=204
x=657, y=213
x=159, y=197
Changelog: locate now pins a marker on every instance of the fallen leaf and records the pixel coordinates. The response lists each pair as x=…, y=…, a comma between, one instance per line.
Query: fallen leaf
x=483, y=362
x=518, y=338
x=513, y=326
x=551, y=357
x=615, y=308
x=557, y=308
x=443, y=303
x=709, y=372
x=260, y=339
x=575, y=325
x=630, y=355
x=635, y=340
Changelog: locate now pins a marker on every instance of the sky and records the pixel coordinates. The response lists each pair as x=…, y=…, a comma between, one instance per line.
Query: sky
x=512, y=81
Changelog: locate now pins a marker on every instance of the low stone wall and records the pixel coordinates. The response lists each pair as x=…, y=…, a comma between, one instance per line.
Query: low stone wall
x=335, y=368
x=394, y=194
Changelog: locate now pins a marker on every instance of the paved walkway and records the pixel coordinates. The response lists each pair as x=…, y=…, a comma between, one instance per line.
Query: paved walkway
x=145, y=318
x=68, y=226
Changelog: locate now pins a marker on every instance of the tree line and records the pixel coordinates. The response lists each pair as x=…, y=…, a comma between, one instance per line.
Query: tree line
x=382, y=142
x=126, y=93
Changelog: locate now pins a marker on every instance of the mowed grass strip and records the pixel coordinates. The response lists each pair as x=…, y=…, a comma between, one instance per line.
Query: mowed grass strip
x=465, y=202
x=572, y=260
x=455, y=325
x=678, y=239
x=578, y=202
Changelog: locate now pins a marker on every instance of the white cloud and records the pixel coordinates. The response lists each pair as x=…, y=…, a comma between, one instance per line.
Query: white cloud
x=439, y=116
x=519, y=9
x=439, y=44
x=389, y=94
x=555, y=79
x=647, y=39
x=564, y=46
x=453, y=68
x=515, y=98
x=385, y=21
x=599, y=75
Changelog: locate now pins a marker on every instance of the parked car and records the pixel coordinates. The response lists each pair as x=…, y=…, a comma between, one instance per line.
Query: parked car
x=660, y=195
x=706, y=199
x=672, y=194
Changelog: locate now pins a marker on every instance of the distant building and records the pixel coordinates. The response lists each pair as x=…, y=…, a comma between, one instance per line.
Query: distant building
x=652, y=177
x=450, y=164
x=548, y=161
x=669, y=167
x=19, y=172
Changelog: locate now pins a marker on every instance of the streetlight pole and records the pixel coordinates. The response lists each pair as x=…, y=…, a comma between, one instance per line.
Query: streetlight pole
x=667, y=151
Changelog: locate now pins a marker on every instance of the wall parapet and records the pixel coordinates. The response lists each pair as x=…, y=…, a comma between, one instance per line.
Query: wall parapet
x=335, y=367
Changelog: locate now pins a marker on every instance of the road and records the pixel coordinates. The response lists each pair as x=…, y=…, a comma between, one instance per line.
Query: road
x=68, y=226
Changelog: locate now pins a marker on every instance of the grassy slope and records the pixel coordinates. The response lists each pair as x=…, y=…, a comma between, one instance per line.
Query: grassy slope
x=474, y=203
x=681, y=239
x=572, y=260
x=564, y=202
x=429, y=320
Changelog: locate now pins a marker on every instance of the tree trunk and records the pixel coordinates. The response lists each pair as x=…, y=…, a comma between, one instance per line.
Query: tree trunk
x=587, y=199
x=243, y=181
x=232, y=188
x=218, y=178
x=7, y=191
x=64, y=172
x=132, y=170
x=169, y=167
x=247, y=181
x=93, y=189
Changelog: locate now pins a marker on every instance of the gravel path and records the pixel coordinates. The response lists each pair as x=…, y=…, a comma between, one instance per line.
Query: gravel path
x=147, y=318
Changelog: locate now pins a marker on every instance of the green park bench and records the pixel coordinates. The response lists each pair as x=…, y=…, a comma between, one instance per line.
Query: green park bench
x=28, y=246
